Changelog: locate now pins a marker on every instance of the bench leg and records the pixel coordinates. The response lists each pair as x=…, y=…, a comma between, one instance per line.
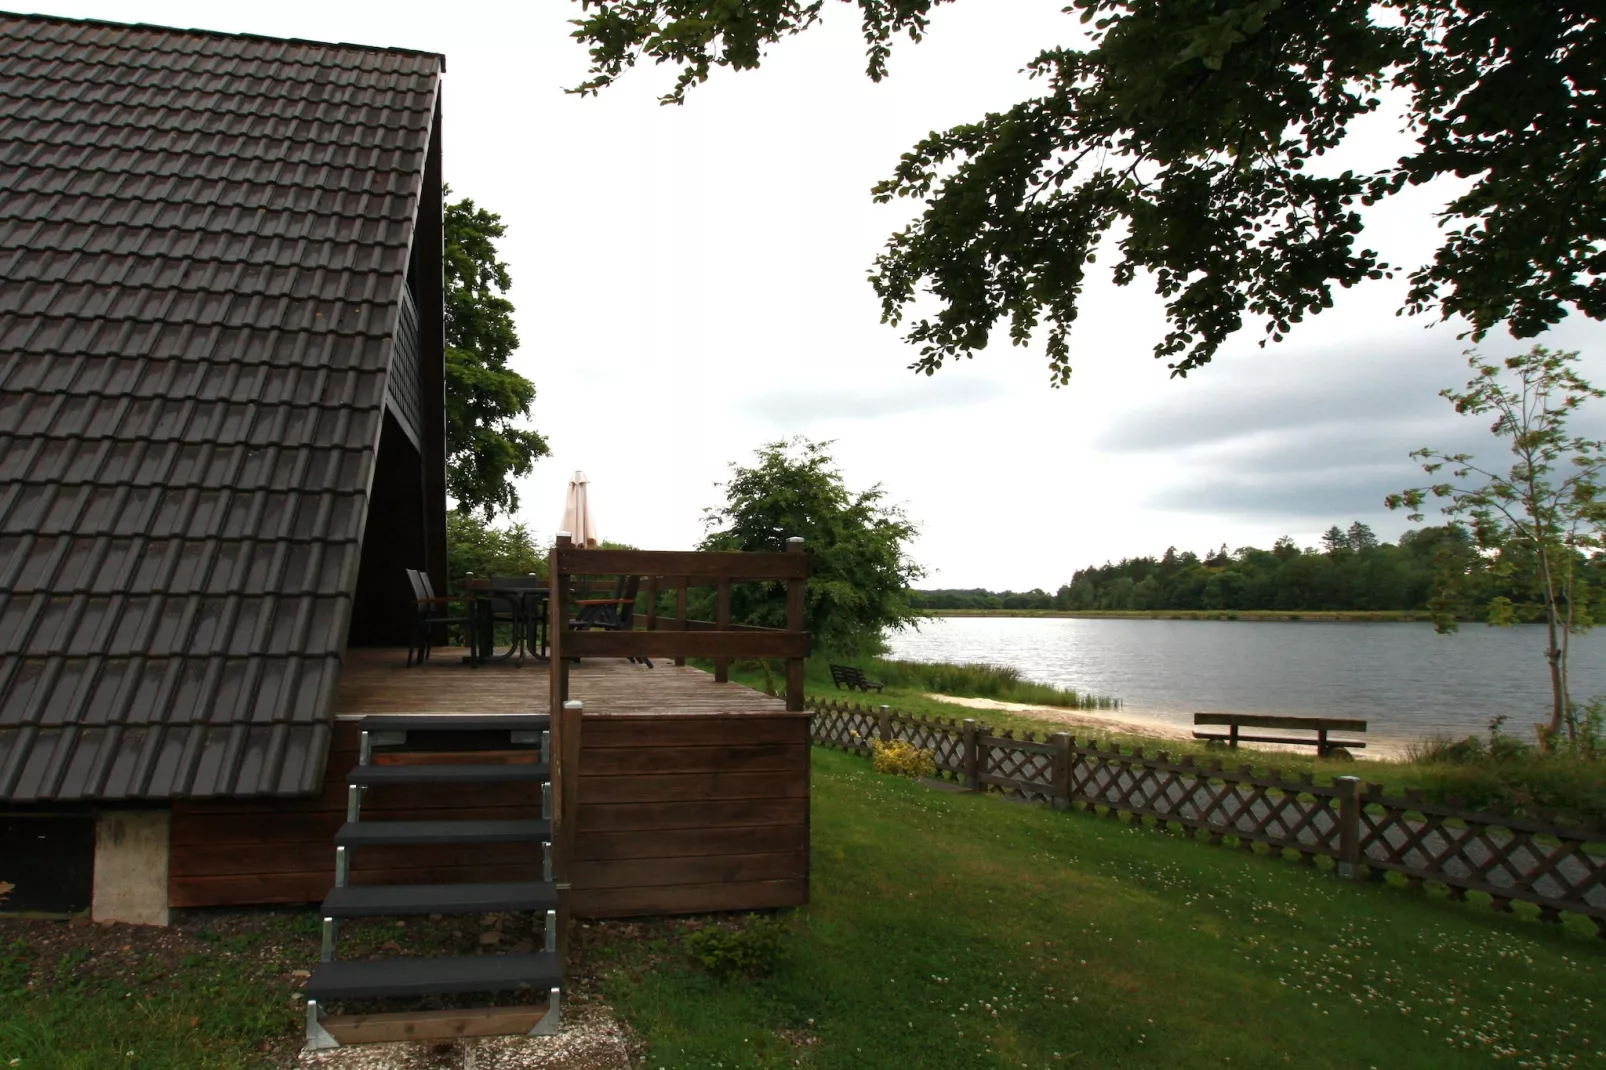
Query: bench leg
x=1232, y=738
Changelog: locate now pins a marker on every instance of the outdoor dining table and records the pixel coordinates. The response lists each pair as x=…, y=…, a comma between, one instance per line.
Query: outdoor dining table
x=528, y=597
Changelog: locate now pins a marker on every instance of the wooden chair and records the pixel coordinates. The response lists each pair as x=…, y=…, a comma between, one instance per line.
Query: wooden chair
x=616, y=614
x=432, y=613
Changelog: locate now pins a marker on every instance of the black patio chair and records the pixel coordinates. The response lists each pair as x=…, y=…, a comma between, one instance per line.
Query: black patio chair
x=614, y=614
x=432, y=611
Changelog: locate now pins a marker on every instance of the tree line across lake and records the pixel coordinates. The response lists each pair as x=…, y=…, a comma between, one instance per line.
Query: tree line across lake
x=1351, y=570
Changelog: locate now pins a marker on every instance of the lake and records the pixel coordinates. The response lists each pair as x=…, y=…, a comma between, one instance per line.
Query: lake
x=1405, y=679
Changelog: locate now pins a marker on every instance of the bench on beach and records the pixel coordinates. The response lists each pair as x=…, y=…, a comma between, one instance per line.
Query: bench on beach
x=853, y=678
x=1320, y=725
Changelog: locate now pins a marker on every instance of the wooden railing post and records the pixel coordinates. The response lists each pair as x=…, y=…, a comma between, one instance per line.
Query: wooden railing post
x=796, y=612
x=722, y=621
x=566, y=815
x=972, y=777
x=883, y=724
x=1062, y=770
x=680, y=608
x=652, y=603
x=1349, y=826
x=557, y=622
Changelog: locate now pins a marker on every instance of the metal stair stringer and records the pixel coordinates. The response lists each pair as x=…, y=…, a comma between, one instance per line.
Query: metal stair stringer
x=407, y=978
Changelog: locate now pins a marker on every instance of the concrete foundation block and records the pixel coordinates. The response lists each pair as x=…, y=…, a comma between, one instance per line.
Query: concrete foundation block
x=131, y=851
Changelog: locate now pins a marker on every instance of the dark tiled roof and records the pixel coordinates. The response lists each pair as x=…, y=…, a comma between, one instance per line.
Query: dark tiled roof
x=203, y=240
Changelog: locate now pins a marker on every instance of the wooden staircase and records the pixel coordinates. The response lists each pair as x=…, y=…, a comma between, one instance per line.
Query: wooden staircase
x=411, y=978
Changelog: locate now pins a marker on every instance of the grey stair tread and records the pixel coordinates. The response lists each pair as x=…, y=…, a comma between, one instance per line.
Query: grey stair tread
x=512, y=722
x=432, y=976
x=446, y=774
x=383, y=900
x=382, y=833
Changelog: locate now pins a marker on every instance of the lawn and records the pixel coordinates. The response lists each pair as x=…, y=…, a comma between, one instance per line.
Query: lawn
x=945, y=930
x=964, y=931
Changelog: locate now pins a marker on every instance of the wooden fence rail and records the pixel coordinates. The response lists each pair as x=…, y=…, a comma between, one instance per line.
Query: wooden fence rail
x=1509, y=858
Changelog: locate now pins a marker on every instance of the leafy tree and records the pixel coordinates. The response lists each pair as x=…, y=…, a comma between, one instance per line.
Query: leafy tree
x=484, y=448
x=1334, y=540
x=475, y=545
x=860, y=570
x=1539, y=519
x=1194, y=130
x=1360, y=537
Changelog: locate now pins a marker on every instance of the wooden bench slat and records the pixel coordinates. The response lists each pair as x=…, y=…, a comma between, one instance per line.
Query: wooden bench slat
x=1252, y=720
x=1277, y=739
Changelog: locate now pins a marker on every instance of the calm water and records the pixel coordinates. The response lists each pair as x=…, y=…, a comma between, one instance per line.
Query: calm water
x=1403, y=678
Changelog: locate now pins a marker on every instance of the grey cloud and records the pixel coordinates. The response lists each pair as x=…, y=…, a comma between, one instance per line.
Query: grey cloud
x=1284, y=391
x=1323, y=497
x=794, y=408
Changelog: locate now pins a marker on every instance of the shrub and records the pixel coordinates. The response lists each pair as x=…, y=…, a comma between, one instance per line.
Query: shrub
x=756, y=950
x=902, y=758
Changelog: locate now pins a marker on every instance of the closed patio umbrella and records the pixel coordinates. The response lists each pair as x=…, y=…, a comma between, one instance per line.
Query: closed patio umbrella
x=578, y=519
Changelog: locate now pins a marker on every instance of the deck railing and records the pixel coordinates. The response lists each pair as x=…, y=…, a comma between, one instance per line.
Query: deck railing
x=658, y=636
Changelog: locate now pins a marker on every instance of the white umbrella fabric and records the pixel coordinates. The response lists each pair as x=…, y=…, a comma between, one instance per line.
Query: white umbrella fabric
x=578, y=520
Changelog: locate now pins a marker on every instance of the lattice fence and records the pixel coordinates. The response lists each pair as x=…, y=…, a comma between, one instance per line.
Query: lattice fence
x=1509, y=858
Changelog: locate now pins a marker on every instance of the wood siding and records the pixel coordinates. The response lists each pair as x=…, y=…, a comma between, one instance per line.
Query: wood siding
x=690, y=814
x=701, y=807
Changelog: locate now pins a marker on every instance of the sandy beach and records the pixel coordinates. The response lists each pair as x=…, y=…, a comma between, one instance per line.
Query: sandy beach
x=1135, y=724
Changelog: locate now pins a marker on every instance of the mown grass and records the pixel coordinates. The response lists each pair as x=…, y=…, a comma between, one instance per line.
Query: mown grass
x=143, y=999
x=963, y=931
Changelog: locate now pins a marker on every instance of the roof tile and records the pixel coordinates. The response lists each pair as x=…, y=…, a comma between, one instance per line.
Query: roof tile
x=204, y=239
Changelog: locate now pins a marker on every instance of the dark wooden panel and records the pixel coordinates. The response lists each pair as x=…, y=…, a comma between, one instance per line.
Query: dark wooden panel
x=254, y=889
x=676, y=644
x=735, y=758
x=677, y=787
x=706, y=869
x=689, y=899
x=49, y=860
x=227, y=830
x=697, y=564
x=673, y=843
x=641, y=732
x=692, y=815
x=320, y=857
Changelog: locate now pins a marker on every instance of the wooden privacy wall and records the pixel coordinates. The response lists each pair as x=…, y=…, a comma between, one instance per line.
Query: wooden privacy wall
x=683, y=814
x=677, y=814
x=1507, y=857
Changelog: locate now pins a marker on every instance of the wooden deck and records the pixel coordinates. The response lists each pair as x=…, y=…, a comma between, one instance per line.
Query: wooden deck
x=379, y=681
x=693, y=795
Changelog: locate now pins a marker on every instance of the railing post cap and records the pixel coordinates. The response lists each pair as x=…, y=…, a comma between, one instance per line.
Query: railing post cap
x=573, y=704
x=794, y=540
x=884, y=706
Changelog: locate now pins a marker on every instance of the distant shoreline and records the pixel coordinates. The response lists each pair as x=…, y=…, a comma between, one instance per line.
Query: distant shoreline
x=1358, y=616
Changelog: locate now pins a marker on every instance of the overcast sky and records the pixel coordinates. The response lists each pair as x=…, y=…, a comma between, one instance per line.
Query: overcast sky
x=690, y=283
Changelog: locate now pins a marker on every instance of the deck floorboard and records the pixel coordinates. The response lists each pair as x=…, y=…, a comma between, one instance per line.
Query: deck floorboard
x=377, y=680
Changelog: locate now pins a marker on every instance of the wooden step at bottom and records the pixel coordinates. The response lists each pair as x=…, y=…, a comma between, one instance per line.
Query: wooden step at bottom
x=393, y=833
x=385, y=900
x=434, y=1025
x=405, y=977
x=447, y=774
x=456, y=722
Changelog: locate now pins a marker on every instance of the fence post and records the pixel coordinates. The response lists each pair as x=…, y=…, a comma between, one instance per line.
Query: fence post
x=972, y=780
x=722, y=621
x=883, y=724
x=557, y=621
x=683, y=582
x=566, y=812
x=1349, y=826
x=1062, y=770
x=796, y=610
